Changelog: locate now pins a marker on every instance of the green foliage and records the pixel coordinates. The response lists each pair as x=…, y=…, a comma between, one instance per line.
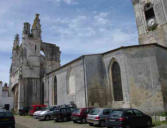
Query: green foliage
x=152, y=28
x=164, y=114
x=158, y=123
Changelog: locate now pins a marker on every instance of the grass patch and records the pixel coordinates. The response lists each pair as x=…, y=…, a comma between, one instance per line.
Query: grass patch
x=158, y=123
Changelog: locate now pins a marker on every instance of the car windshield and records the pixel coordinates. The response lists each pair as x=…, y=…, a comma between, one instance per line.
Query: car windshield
x=44, y=108
x=72, y=109
x=8, y=114
x=94, y=111
x=116, y=113
x=77, y=111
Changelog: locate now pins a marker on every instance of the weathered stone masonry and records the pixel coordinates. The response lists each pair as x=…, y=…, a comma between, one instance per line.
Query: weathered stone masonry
x=30, y=61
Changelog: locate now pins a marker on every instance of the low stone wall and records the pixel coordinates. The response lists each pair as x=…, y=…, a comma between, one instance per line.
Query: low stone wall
x=6, y=100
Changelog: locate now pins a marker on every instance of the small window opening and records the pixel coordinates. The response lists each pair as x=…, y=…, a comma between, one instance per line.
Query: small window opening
x=149, y=11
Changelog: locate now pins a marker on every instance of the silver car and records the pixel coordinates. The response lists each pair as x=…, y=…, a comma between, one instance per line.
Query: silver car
x=37, y=113
x=97, y=116
x=47, y=114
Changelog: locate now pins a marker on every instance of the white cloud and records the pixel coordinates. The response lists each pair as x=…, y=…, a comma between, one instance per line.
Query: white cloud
x=69, y=2
x=91, y=34
x=101, y=18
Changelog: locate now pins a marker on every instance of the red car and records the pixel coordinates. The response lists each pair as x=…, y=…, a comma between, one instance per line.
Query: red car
x=79, y=115
x=36, y=108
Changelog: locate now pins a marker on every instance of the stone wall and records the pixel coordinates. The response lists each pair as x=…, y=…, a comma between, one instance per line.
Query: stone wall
x=6, y=100
x=143, y=79
x=162, y=61
x=68, y=77
x=95, y=80
x=30, y=92
x=140, y=75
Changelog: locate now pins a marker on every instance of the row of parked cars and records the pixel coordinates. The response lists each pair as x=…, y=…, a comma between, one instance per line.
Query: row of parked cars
x=105, y=117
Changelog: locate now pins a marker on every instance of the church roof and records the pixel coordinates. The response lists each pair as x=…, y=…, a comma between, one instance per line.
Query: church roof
x=134, y=46
x=114, y=50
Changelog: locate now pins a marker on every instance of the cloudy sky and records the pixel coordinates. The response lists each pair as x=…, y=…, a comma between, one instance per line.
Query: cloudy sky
x=77, y=26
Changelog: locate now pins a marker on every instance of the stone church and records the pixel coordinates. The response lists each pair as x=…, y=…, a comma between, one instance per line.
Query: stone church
x=132, y=76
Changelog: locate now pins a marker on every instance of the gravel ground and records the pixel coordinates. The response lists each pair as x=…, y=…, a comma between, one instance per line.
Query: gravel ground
x=29, y=122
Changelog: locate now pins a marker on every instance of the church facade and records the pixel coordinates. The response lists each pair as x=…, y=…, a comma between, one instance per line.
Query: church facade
x=133, y=76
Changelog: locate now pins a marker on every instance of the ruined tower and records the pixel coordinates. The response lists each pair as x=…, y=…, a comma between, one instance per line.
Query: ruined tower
x=29, y=66
x=151, y=19
x=15, y=54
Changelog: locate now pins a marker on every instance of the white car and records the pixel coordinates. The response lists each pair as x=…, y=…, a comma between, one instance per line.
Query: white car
x=37, y=113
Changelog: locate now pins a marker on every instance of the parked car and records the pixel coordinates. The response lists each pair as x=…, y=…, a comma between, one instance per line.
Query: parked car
x=23, y=111
x=6, y=119
x=128, y=118
x=47, y=114
x=36, y=113
x=63, y=114
x=35, y=108
x=79, y=115
x=97, y=116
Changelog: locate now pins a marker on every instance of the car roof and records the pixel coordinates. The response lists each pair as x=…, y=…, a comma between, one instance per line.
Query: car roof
x=86, y=108
x=38, y=105
x=123, y=109
x=102, y=108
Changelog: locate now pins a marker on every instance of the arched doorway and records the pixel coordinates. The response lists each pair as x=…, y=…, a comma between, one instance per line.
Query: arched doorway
x=55, y=90
x=116, y=81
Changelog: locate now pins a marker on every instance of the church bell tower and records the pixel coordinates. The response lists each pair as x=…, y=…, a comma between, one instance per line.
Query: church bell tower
x=151, y=20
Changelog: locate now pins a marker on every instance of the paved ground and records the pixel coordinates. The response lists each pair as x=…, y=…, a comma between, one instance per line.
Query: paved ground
x=29, y=122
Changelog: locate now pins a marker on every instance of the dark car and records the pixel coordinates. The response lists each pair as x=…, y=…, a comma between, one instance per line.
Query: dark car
x=97, y=116
x=128, y=118
x=79, y=115
x=24, y=111
x=63, y=114
x=6, y=119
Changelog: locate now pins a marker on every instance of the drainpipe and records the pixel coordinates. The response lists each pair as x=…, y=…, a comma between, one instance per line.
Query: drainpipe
x=85, y=82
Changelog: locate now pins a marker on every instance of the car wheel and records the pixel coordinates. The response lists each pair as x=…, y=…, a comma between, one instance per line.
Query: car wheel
x=149, y=123
x=65, y=119
x=90, y=124
x=12, y=126
x=127, y=126
x=74, y=121
x=83, y=120
x=56, y=120
x=47, y=117
x=102, y=123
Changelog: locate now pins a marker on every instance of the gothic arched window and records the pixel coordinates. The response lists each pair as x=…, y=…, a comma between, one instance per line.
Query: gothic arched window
x=117, y=84
x=42, y=93
x=55, y=90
